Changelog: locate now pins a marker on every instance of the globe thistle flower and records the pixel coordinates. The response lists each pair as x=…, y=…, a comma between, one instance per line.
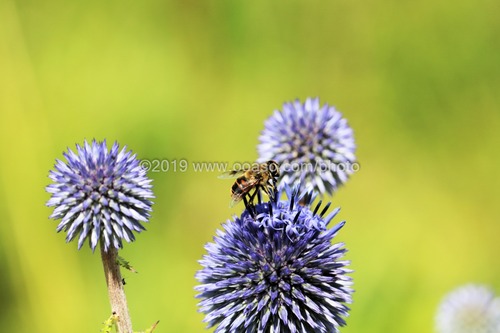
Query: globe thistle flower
x=277, y=272
x=313, y=144
x=100, y=195
x=469, y=309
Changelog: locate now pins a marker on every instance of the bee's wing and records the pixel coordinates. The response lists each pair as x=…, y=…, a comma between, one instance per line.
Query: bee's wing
x=243, y=190
x=234, y=201
x=231, y=174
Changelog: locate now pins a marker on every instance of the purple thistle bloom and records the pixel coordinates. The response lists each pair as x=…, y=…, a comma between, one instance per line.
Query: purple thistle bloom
x=313, y=144
x=278, y=272
x=100, y=195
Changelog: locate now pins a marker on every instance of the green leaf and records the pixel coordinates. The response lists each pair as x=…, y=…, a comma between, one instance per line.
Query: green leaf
x=125, y=264
x=109, y=323
x=151, y=329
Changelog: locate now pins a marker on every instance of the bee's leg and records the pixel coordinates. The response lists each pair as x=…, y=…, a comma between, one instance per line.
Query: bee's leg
x=269, y=189
x=245, y=201
x=259, y=195
x=275, y=188
x=248, y=205
x=252, y=197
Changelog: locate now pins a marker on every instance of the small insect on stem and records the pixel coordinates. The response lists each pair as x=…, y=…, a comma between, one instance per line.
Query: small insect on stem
x=250, y=181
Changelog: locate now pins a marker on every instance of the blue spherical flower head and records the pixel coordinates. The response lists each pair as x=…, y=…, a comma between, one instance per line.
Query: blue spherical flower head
x=277, y=272
x=313, y=144
x=100, y=195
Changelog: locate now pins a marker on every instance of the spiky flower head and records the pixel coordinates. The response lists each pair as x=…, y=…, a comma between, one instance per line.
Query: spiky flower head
x=100, y=195
x=469, y=309
x=313, y=144
x=275, y=270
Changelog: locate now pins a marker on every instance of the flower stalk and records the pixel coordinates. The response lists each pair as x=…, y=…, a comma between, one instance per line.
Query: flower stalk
x=116, y=293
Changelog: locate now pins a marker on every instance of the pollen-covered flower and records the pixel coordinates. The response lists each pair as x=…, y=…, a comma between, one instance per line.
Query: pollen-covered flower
x=469, y=309
x=313, y=144
x=100, y=195
x=276, y=270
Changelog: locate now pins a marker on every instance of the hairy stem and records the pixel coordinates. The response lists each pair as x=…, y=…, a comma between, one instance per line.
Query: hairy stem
x=115, y=289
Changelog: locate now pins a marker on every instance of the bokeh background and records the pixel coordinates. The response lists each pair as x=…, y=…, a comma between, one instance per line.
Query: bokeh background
x=418, y=81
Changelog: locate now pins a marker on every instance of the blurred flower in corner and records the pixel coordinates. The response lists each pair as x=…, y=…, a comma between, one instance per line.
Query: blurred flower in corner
x=275, y=270
x=100, y=195
x=469, y=309
x=313, y=144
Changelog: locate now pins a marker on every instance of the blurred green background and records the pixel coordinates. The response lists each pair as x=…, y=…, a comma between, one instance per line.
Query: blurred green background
x=418, y=81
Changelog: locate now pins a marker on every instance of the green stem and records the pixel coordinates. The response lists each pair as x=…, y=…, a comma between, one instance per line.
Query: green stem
x=115, y=288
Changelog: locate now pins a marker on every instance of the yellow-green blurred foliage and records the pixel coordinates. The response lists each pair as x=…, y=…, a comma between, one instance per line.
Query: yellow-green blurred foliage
x=418, y=81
